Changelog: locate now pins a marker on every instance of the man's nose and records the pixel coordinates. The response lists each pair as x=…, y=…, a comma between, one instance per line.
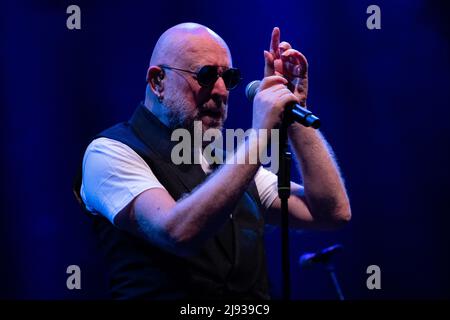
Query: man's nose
x=219, y=88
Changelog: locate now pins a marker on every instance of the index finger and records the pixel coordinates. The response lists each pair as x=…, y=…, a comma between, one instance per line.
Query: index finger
x=275, y=42
x=270, y=81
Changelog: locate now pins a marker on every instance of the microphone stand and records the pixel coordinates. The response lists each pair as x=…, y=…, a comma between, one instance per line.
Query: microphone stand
x=284, y=191
x=332, y=272
x=284, y=174
x=324, y=258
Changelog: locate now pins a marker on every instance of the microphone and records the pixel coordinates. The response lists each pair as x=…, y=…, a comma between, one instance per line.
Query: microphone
x=296, y=111
x=323, y=256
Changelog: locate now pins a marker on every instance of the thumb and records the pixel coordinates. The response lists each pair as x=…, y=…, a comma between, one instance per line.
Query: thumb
x=268, y=57
x=268, y=66
x=278, y=68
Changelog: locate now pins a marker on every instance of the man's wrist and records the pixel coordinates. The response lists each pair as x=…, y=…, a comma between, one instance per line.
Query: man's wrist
x=302, y=135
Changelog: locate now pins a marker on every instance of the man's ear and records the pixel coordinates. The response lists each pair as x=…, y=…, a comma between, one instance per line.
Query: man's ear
x=155, y=76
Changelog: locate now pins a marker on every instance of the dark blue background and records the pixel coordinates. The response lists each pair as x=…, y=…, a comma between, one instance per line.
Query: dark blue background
x=382, y=95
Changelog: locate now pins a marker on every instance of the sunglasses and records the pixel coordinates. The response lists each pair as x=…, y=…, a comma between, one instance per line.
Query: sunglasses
x=208, y=75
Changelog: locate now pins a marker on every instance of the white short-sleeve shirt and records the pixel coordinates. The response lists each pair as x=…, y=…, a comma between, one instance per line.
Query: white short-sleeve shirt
x=114, y=174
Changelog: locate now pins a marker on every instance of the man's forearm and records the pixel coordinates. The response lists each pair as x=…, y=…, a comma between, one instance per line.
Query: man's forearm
x=324, y=188
x=204, y=211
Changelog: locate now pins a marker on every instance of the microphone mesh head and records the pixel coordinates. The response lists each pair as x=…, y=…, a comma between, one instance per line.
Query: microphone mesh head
x=251, y=89
x=305, y=260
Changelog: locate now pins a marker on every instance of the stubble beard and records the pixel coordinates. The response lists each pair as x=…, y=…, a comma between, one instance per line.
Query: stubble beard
x=180, y=114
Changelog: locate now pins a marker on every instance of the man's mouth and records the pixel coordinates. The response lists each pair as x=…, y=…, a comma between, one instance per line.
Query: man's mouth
x=214, y=115
x=211, y=118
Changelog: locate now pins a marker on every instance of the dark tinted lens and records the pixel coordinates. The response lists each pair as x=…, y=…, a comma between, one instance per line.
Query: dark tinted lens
x=231, y=77
x=207, y=76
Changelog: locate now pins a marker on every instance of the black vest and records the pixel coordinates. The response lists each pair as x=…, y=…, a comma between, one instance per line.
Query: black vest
x=230, y=265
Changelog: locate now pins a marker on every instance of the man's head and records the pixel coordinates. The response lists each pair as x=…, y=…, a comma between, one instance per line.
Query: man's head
x=175, y=96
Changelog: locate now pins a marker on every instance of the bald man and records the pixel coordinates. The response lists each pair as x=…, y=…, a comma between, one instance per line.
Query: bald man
x=193, y=231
